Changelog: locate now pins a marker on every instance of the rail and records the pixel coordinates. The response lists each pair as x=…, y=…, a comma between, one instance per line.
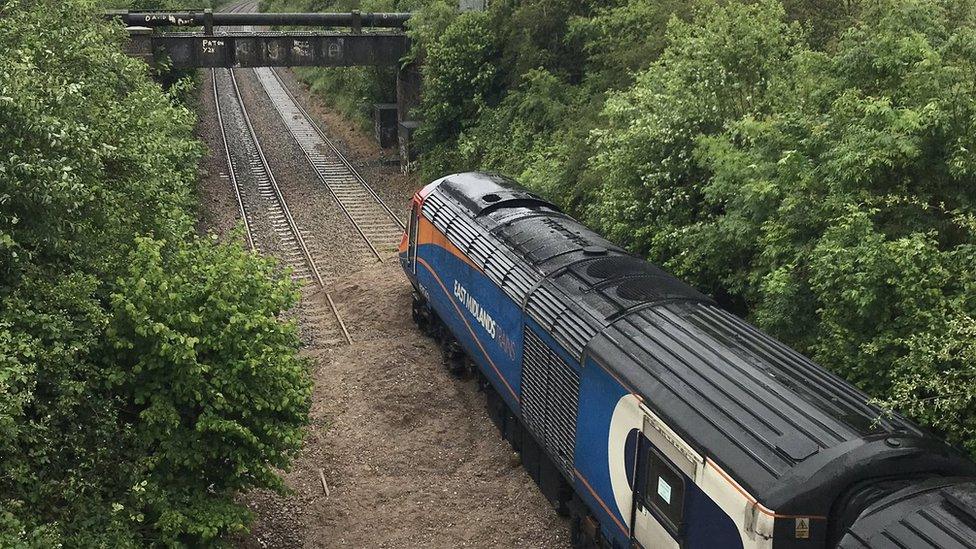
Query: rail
x=372, y=218
x=281, y=218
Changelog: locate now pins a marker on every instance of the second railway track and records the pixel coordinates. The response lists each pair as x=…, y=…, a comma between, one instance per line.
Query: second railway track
x=250, y=158
x=375, y=222
x=269, y=225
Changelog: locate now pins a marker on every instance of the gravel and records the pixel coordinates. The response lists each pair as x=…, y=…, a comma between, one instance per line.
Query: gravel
x=409, y=453
x=217, y=212
x=380, y=167
x=327, y=232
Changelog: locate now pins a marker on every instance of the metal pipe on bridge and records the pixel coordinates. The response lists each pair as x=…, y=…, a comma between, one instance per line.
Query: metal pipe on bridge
x=207, y=18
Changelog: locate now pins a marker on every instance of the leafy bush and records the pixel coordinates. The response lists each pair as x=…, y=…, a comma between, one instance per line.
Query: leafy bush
x=717, y=68
x=213, y=392
x=144, y=374
x=517, y=137
x=459, y=77
x=622, y=38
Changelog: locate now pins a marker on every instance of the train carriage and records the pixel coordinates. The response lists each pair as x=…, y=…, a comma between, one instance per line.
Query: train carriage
x=651, y=415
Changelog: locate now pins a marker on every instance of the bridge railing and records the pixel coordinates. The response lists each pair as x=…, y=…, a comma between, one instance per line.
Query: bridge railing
x=208, y=19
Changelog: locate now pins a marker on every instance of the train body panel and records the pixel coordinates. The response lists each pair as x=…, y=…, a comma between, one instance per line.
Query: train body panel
x=675, y=423
x=490, y=326
x=472, y=308
x=608, y=415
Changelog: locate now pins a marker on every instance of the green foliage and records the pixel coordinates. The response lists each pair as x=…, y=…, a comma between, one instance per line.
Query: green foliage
x=826, y=194
x=555, y=63
x=623, y=38
x=209, y=378
x=716, y=68
x=426, y=25
x=459, y=77
x=352, y=90
x=144, y=376
x=534, y=34
x=810, y=164
x=824, y=20
x=516, y=136
x=159, y=4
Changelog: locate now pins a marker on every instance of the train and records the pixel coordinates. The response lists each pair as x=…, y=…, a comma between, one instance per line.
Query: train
x=647, y=414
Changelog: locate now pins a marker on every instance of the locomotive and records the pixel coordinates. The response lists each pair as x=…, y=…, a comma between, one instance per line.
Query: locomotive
x=648, y=414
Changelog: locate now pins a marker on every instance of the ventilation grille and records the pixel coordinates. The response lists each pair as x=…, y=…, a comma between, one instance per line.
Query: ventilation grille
x=483, y=249
x=544, y=308
x=642, y=288
x=436, y=210
x=617, y=266
x=518, y=282
x=557, y=317
x=573, y=333
x=550, y=400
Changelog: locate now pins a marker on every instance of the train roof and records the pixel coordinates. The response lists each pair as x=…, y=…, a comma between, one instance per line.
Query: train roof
x=936, y=514
x=789, y=431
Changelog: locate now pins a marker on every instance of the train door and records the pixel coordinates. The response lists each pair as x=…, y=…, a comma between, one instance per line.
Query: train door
x=663, y=470
x=412, y=236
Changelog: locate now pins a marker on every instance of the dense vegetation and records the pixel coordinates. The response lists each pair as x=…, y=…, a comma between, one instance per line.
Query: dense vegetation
x=810, y=163
x=145, y=376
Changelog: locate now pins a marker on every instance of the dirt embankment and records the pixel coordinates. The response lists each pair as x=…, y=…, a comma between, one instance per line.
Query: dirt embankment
x=411, y=458
x=409, y=454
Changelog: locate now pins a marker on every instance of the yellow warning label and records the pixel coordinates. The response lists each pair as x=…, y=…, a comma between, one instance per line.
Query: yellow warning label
x=803, y=528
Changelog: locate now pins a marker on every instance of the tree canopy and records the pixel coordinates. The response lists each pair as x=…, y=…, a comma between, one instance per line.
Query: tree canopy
x=145, y=374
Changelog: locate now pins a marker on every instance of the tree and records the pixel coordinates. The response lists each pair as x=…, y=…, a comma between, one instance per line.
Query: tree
x=145, y=375
x=826, y=194
x=459, y=79
x=716, y=69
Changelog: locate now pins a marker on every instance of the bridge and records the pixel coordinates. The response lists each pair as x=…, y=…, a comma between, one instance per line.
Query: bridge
x=249, y=48
x=370, y=39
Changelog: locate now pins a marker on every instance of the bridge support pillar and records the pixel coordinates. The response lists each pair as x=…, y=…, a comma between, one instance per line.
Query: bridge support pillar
x=407, y=98
x=208, y=22
x=140, y=44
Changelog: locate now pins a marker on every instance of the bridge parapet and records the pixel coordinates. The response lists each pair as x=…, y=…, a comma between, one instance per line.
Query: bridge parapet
x=273, y=49
x=249, y=48
x=354, y=20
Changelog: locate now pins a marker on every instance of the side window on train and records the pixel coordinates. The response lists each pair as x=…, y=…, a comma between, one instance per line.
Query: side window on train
x=412, y=236
x=664, y=490
x=412, y=226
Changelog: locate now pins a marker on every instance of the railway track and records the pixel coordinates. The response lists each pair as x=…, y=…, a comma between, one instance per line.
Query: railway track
x=249, y=172
x=373, y=219
x=251, y=157
x=261, y=202
x=375, y=222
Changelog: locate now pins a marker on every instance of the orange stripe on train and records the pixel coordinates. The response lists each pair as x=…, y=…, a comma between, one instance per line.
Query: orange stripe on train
x=427, y=233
